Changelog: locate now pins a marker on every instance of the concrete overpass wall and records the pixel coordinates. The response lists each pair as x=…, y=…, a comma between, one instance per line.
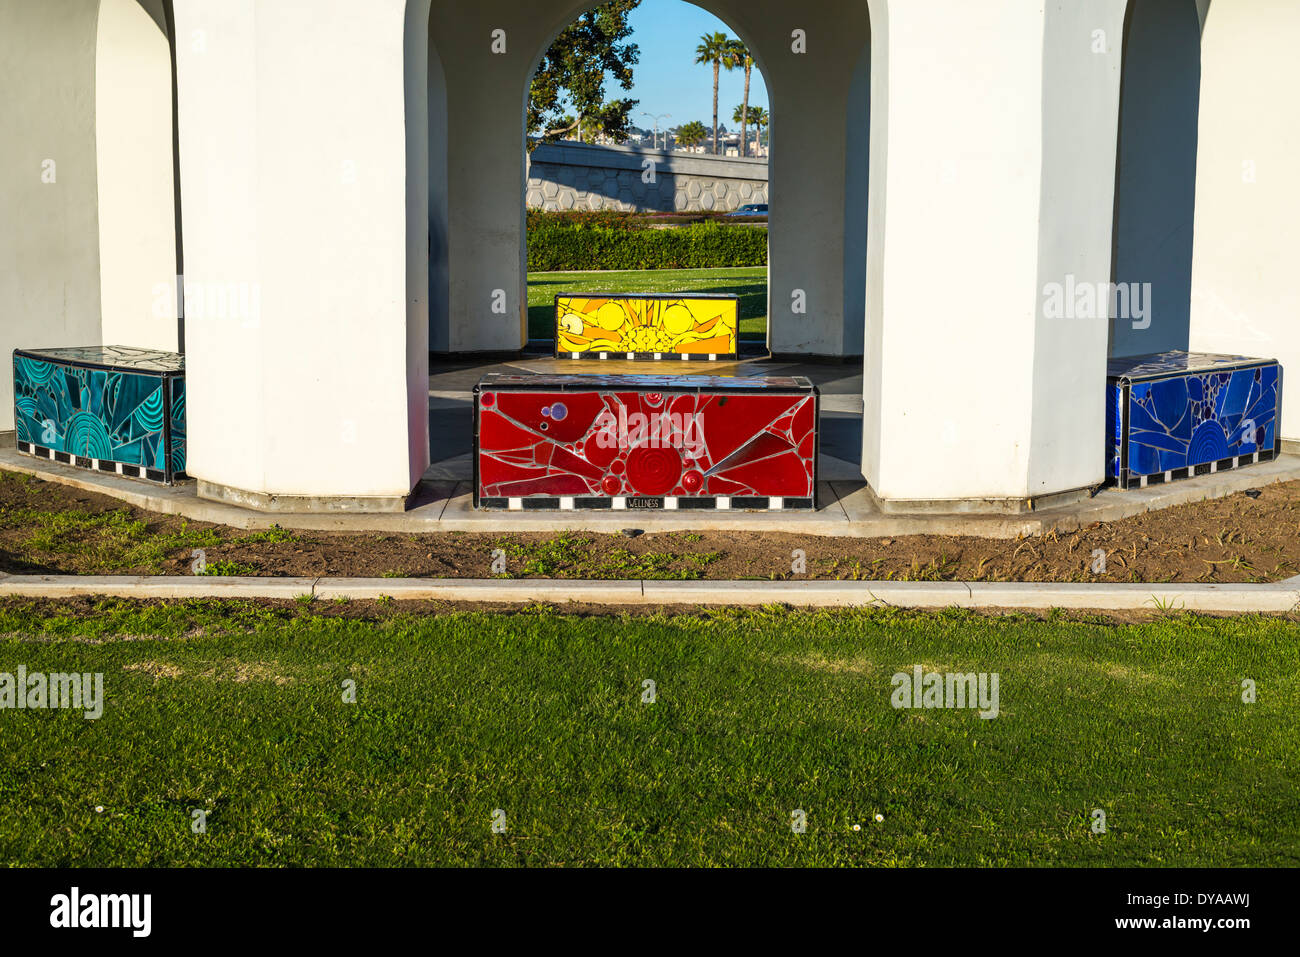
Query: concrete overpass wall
x=631, y=179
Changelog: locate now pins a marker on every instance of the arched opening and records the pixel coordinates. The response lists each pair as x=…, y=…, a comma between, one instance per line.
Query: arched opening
x=1244, y=295
x=135, y=172
x=89, y=172
x=1155, y=183
x=675, y=170
x=807, y=303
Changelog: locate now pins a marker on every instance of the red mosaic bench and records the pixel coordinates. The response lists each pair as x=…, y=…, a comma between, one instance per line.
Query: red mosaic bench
x=644, y=442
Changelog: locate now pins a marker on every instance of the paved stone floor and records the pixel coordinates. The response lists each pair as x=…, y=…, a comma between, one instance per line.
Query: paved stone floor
x=451, y=423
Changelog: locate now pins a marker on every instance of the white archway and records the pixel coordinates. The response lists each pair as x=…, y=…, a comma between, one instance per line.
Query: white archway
x=808, y=96
x=1155, y=184
x=134, y=173
x=87, y=171
x=1244, y=297
x=564, y=20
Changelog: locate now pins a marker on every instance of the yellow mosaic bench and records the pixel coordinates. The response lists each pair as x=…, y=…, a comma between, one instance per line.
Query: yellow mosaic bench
x=647, y=326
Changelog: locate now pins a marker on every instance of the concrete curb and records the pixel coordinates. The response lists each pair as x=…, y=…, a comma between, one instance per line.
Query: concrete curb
x=1273, y=598
x=152, y=586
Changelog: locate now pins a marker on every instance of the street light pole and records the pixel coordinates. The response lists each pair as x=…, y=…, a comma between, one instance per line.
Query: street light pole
x=661, y=116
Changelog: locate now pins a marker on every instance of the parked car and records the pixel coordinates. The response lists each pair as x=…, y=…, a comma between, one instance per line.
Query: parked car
x=750, y=209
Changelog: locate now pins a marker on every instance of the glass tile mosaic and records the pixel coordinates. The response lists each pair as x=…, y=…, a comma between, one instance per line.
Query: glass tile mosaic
x=672, y=326
x=618, y=441
x=1174, y=414
x=110, y=408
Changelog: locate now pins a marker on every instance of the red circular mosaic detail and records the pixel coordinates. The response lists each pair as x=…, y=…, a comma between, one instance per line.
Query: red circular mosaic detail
x=692, y=481
x=611, y=484
x=489, y=398
x=616, y=466
x=653, y=471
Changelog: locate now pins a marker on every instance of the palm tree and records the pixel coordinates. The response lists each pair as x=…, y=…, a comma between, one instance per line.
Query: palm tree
x=740, y=56
x=745, y=114
x=715, y=48
x=759, y=117
x=691, y=134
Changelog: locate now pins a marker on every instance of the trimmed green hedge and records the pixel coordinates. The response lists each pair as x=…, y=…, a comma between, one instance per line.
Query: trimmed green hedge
x=555, y=246
x=616, y=219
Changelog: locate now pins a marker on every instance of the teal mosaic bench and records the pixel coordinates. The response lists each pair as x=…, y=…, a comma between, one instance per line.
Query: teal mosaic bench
x=108, y=408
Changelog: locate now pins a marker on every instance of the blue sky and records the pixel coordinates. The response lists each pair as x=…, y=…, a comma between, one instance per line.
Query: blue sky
x=667, y=80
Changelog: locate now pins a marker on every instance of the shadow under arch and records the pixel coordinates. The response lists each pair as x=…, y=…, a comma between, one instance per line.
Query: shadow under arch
x=439, y=244
x=1155, y=178
x=857, y=151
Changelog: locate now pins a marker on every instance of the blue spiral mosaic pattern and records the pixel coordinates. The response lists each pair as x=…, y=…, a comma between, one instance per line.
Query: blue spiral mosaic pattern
x=106, y=403
x=1187, y=410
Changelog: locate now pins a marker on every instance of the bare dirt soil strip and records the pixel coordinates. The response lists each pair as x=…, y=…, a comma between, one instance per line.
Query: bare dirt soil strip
x=1252, y=536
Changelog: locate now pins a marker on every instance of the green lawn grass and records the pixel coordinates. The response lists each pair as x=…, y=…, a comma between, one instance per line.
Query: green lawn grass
x=238, y=709
x=749, y=283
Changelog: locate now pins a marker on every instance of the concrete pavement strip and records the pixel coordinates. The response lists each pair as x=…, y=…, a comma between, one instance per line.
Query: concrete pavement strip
x=1279, y=597
x=444, y=504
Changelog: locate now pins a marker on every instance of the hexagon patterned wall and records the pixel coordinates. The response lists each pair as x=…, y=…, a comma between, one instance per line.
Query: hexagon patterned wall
x=579, y=176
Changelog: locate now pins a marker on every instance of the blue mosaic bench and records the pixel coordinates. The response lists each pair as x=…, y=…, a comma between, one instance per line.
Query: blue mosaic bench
x=1170, y=415
x=108, y=408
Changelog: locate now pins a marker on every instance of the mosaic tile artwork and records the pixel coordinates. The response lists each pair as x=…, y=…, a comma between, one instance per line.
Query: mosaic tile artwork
x=110, y=408
x=1174, y=414
x=644, y=441
x=647, y=327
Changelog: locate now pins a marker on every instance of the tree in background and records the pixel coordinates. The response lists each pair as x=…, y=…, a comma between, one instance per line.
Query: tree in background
x=760, y=118
x=568, y=88
x=740, y=57
x=757, y=117
x=715, y=48
x=691, y=134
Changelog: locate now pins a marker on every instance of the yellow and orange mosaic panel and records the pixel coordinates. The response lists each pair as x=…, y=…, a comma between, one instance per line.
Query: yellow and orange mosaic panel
x=647, y=327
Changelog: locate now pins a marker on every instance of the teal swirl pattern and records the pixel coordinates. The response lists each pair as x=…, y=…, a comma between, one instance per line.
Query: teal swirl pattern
x=106, y=403
x=149, y=413
x=35, y=371
x=86, y=435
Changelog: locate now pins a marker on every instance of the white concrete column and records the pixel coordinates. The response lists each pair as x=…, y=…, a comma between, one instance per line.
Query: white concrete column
x=303, y=151
x=1245, y=297
x=994, y=128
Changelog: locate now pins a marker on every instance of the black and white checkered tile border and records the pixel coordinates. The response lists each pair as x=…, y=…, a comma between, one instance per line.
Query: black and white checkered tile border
x=669, y=503
x=1134, y=480
x=685, y=356
x=97, y=465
